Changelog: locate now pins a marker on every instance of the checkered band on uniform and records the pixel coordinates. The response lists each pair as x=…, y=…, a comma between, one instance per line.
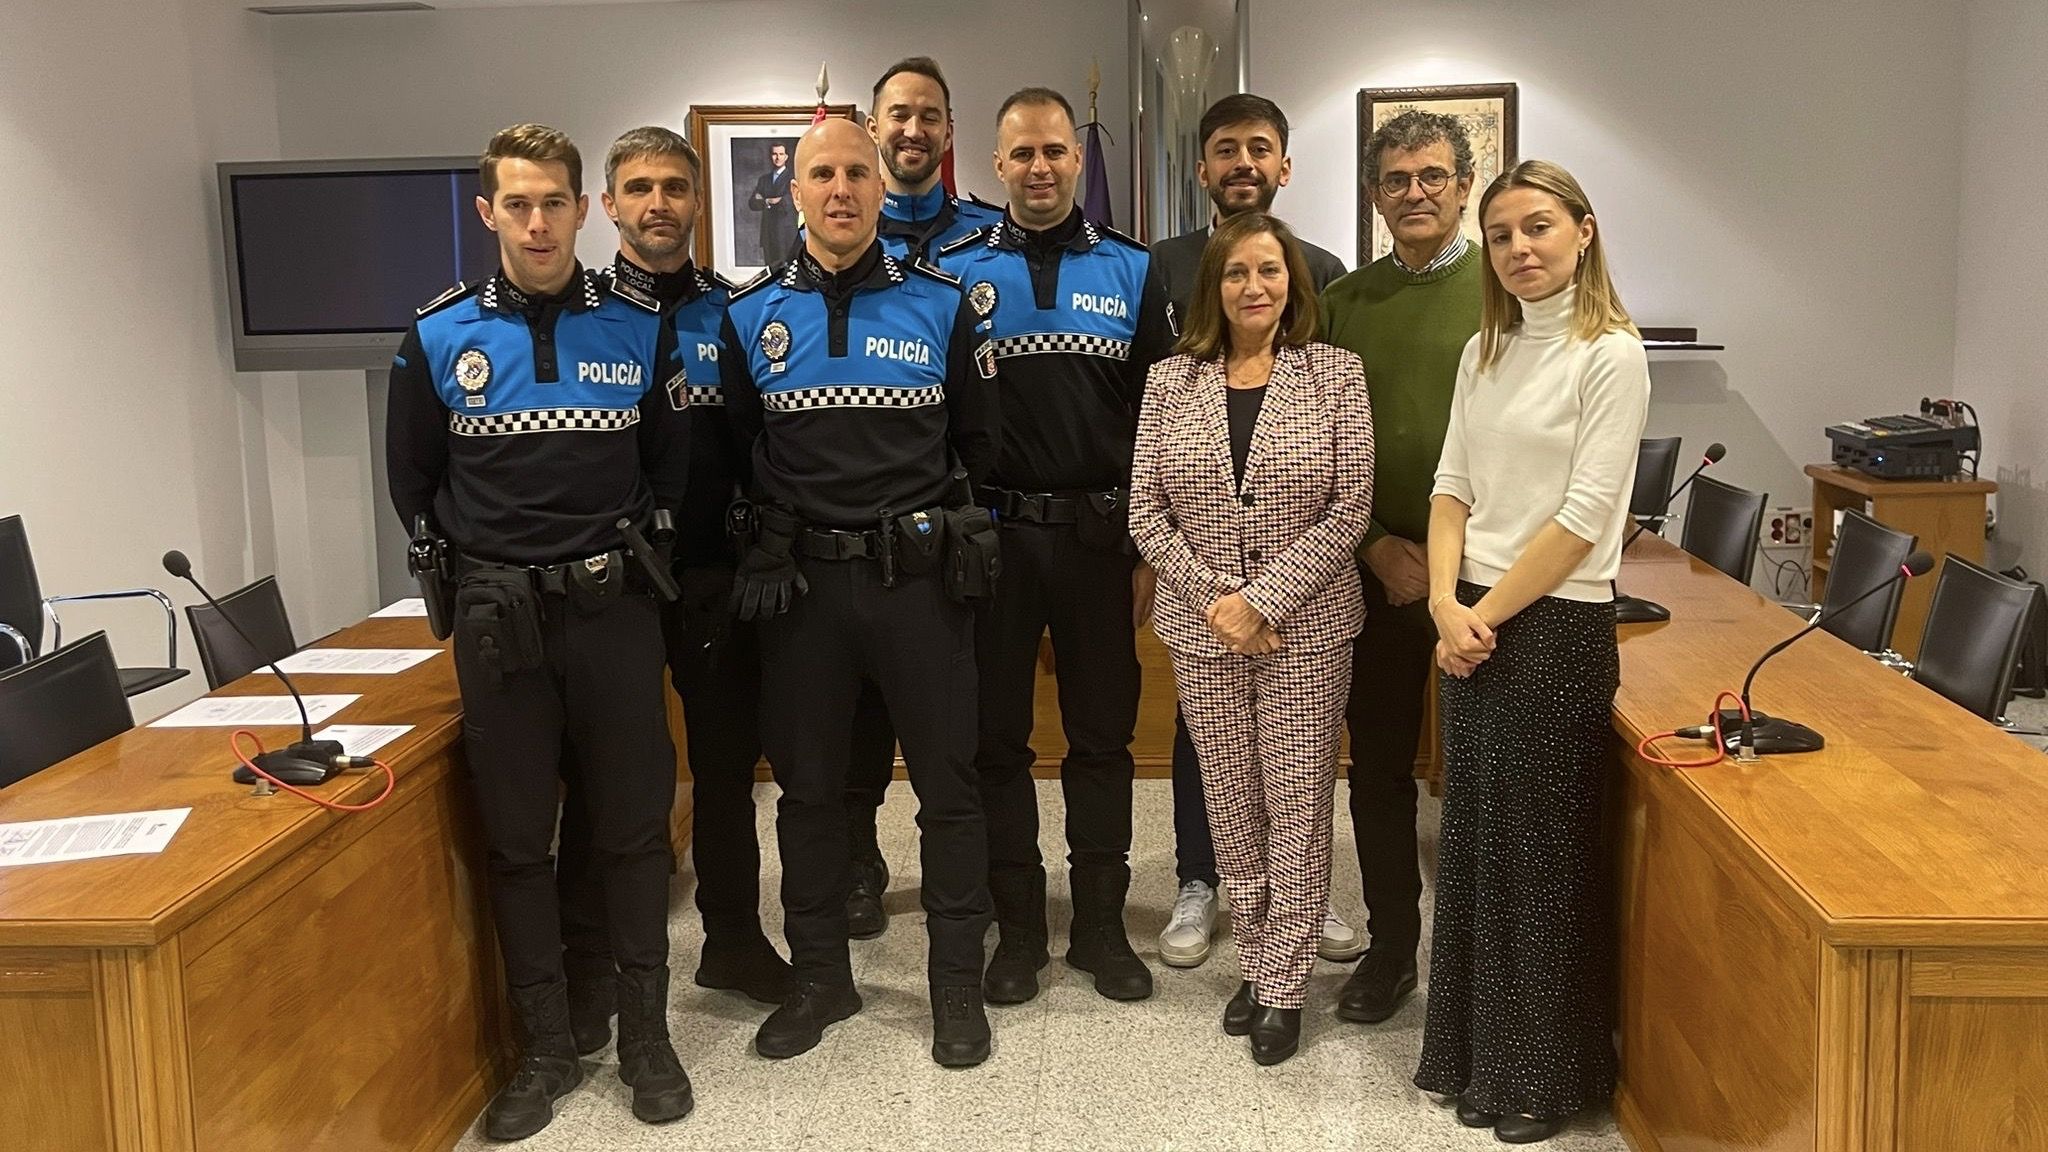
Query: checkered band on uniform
x=707, y=396
x=852, y=396
x=1032, y=343
x=544, y=420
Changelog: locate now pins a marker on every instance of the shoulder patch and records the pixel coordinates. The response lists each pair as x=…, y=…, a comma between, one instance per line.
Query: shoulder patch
x=764, y=276
x=978, y=236
x=632, y=295
x=461, y=289
x=935, y=273
x=1106, y=230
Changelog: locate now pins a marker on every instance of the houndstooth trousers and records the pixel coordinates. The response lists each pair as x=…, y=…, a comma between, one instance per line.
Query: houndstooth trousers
x=1266, y=731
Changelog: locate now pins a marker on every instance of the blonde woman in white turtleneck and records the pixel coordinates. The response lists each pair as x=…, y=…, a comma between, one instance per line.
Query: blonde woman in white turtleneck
x=1525, y=534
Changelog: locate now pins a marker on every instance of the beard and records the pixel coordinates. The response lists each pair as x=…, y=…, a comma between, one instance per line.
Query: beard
x=903, y=174
x=1219, y=196
x=655, y=246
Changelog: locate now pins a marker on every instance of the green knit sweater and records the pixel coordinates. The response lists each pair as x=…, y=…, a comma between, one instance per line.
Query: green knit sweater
x=1410, y=331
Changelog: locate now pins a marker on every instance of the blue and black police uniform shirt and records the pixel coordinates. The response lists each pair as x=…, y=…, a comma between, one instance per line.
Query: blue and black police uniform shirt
x=916, y=227
x=857, y=390
x=1080, y=315
x=525, y=427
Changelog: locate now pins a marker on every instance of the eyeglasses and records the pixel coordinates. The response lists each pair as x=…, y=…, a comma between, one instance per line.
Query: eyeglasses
x=1432, y=180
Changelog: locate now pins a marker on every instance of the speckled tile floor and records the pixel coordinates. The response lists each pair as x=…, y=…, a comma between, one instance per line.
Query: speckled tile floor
x=1070, y=1070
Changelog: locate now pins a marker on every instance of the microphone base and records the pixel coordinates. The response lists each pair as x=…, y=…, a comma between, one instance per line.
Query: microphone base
x=1769, y=735
x=306, y=762
x=1632, y=610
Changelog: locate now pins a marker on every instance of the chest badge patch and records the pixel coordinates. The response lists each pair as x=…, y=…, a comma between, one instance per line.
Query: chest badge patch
x=982, y=298
x=473, y=370
x=775, y=341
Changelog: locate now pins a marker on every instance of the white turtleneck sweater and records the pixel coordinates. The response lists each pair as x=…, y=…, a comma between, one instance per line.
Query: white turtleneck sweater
x=1549, y=432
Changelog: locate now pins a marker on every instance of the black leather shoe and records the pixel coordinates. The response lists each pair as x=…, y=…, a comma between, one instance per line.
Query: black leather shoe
x=647, y=1060
x=1018, y=895
x=959, y=1027
x=798, y=1025
x=593, y=1000
x=1384, y=979
x=1237, y=1015
x=1472, y=1117
x=548, y=1069
x=751, y=967
x=1527, y=1130
x=1097, y=942
x=865, y=918
x=1276, y=1034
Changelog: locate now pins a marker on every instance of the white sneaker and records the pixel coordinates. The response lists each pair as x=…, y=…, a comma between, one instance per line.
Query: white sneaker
x=1341, y=942
x=1185, y=943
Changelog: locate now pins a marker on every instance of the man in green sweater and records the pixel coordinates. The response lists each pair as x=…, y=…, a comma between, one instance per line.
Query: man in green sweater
x=1408, y=315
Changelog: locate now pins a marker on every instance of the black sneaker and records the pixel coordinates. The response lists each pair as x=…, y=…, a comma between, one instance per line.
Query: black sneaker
x=960, y=1034
x=798, y=1025
x=865, y=917
x=751, y=967
x=1383, y=980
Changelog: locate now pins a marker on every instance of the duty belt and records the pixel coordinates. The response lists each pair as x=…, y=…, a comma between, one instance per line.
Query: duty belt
x=556, y=579
x=1039, y=507
x=834, y=544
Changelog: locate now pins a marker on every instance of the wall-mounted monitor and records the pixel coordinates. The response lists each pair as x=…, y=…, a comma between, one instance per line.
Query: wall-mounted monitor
x=327, y=259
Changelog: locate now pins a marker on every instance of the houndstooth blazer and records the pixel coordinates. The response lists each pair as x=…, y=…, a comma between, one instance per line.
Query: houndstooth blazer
x=1285, y=538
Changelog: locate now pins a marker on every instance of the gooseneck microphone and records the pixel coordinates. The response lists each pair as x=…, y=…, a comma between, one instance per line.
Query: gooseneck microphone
x=309, y=761
x=1771, y=735
x=1635, y=610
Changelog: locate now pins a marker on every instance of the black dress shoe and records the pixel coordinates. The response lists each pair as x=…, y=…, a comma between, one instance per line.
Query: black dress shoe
x=1276, y=1033
x=1472, y=1117
x=1383, y=980
x=1527, y=1130
x=800, y=1023
x=1237, y=1015
x=865, y=918
x=751, y=967
x=959, y=1027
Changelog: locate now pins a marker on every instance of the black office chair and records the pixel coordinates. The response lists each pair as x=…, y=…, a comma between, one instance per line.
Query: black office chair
x=259, y=609
x=1722, y=526
x=1866, y=554
x=1656, y=470
x=23, y=607
x=58, y=706
x=1970, y=648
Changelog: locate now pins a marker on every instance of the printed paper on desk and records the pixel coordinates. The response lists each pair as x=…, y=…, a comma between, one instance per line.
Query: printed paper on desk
x=89, y=837
x=247, y=711
x=362, y=739
x=410, y=606
x=365, y=661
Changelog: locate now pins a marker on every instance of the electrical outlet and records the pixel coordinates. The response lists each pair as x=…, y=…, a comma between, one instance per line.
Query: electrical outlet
x=1787, y=526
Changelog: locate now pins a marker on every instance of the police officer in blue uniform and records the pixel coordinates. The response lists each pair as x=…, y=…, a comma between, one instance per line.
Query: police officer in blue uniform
x=911, y=119
x=1080, y=314
x=527, y=420
x=865, y=395
x=653, y=179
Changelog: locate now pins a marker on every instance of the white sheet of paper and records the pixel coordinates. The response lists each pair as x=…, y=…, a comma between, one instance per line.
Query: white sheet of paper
x=89, y=837
x=368, y=661
x=410, y=606
x=362, y=739
x=243, y=711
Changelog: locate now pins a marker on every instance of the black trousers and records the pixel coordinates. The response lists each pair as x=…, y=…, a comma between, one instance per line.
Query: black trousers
x=917, y=646
x=1052, y=580
x=1194, y=850
x=1391, y=664
x=597, y=696
x=873, y=766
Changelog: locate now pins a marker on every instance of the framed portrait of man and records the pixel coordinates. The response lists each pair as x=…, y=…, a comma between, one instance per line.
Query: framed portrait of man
x=1488, y=113
x=747, y=218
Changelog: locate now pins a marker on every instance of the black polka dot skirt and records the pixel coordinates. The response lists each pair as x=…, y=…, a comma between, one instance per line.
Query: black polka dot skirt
x=1521, y=983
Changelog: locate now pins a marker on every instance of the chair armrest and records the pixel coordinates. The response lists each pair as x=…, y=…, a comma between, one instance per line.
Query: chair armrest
x=9, y=632
x=170, y=616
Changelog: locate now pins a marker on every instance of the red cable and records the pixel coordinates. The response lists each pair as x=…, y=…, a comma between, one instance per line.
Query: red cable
x=1720, y=745
x=390, y=778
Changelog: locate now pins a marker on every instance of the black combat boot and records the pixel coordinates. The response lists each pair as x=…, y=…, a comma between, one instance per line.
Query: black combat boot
x=593, y=999
x=959, y=1026
x=1019, y=898
x=547, y=1069
x=747, y=964
x=1098, y=943
x=647, y=1061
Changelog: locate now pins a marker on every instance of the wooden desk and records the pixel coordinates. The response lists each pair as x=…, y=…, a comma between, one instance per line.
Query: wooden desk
x=1947, y=516
x=1845, y=950
x=281, y=977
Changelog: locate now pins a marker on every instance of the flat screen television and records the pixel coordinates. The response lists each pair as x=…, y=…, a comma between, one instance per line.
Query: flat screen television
x=328, y=259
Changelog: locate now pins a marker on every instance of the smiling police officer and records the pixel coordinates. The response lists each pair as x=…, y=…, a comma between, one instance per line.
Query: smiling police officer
x=855, y=378
x=527, y=422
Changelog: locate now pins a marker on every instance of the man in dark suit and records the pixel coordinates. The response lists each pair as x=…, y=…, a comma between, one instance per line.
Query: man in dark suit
x=1244, y=165
x=778, y=213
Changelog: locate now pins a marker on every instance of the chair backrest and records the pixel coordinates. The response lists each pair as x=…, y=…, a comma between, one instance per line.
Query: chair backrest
x=1973, y=634
x=58, y=706
x=21, y=594
x=1866, y=553
x=1722, y=525
x=1656, y=469
x=259, y=609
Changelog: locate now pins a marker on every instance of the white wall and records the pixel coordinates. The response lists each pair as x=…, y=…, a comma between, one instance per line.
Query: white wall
x=2001, y=304
x=426, y=83
x=1782, y=176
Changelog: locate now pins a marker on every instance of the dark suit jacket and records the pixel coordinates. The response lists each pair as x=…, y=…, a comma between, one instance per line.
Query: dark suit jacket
x=1284, y=537
x=1180, y=257
x=778, y=221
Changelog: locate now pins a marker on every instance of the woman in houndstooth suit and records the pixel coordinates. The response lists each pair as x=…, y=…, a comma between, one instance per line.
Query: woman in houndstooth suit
x=1251, y=484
